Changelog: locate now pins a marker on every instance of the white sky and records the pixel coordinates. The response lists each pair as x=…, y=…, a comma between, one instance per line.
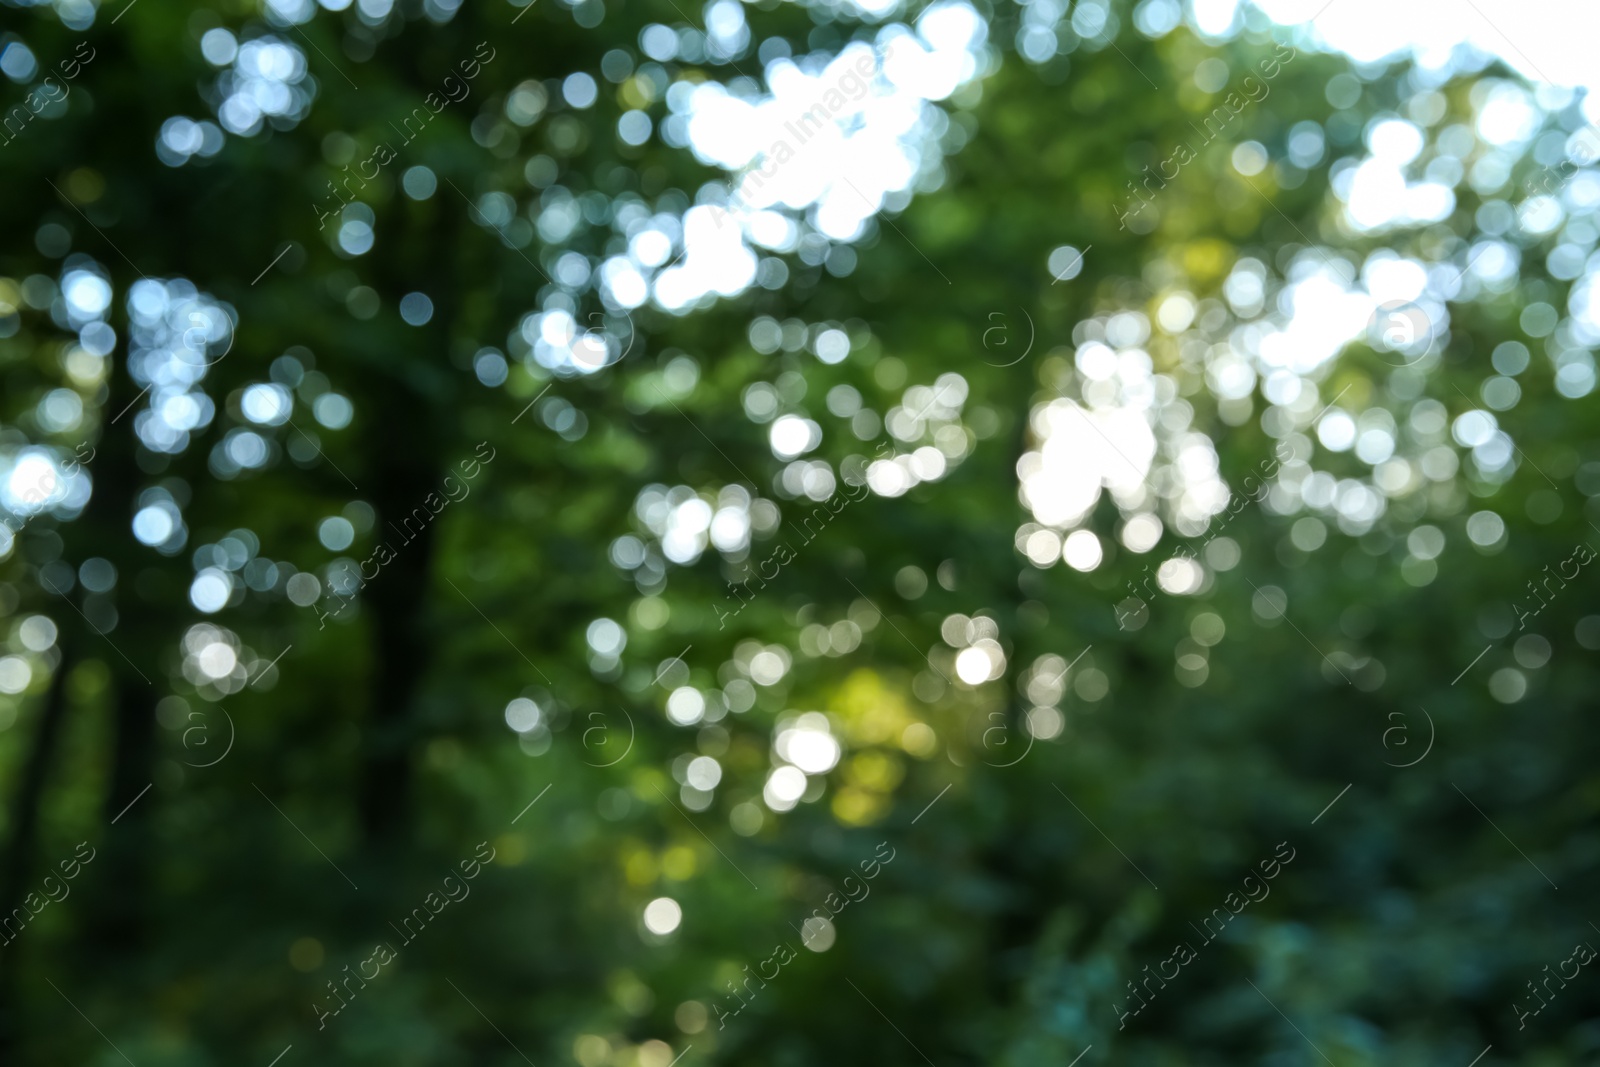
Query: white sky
x=1545, y=40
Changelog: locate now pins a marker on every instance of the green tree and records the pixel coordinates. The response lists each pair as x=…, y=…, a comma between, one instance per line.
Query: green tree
x=1073, y=553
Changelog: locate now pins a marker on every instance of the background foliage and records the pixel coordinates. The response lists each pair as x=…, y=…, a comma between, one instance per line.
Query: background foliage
x=373, y=754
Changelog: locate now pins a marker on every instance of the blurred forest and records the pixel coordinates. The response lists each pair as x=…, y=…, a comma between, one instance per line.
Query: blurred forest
x=474, y=561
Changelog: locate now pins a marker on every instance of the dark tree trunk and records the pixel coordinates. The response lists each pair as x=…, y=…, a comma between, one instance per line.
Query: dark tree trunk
x=131, y=651
x=410, y=434
x=24, y=808
x=400, y=641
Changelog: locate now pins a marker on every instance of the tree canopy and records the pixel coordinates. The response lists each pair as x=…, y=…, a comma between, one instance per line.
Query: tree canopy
x=787, y=533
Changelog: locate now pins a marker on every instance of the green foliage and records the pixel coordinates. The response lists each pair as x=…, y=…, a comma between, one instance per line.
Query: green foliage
x=296, y=815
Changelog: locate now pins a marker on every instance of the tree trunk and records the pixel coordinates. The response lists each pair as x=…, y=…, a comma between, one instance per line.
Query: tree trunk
x=24, y=807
